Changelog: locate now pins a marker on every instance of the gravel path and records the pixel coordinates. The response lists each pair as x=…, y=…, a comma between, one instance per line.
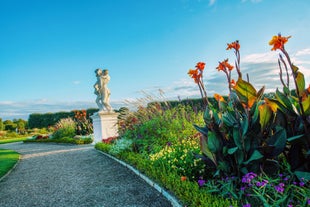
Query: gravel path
x=69, y=175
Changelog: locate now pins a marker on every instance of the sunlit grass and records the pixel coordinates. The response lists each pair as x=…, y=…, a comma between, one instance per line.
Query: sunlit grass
x=10, y=140
x=8, y=159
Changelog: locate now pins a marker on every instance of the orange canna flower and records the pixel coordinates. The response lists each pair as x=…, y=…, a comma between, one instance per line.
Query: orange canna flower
x=195, y=75
x=224, y=65
x=278, y=42
x=200, y=66
x=308, y=89
x=183, y=178
x=233, y=83
x=234, y=45
x=218, y=97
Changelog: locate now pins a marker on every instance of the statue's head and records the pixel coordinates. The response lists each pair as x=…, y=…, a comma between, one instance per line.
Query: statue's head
x=105, y=71
x=98, y=71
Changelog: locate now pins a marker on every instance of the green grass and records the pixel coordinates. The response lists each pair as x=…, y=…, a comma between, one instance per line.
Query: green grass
x=10, y=140
x=8, y=159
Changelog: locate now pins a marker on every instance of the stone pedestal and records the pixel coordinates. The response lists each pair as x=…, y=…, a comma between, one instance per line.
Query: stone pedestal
x=105, y=125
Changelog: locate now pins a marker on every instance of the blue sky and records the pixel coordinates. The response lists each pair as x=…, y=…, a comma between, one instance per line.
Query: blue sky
x=49, y=49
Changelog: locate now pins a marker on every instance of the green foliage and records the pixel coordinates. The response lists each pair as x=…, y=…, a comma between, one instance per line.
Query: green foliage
x=68, y=140
x=181, y=158
x=83, y=124
x=8, y=159
x=154, y=127
x=120, y=146
x=9, y=125
x=1, y=125
x=46, y=120
x=64, y=128
x=104, y=147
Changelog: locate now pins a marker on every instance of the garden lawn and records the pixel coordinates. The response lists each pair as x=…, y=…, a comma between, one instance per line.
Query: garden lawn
x=10, y=140
x=8, y=159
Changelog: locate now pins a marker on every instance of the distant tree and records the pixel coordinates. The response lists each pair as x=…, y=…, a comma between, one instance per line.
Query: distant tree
x=21, y=125
x=1, y=125
x=9, y=125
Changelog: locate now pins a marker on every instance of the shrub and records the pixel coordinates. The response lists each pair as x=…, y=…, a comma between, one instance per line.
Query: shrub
x=64, y=128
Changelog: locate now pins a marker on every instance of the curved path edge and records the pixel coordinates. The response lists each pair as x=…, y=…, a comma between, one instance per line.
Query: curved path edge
x=9, y=172
x=174, y=202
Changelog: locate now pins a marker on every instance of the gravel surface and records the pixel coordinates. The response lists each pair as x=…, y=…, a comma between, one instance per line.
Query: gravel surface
x=70, y=175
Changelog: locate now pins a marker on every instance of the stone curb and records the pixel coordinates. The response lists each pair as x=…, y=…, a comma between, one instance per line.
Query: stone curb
x=174, y=202
x=4, y=176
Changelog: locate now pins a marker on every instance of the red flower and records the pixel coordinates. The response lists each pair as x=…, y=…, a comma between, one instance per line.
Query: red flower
x=224, y=65
x=200, y=66
x=234, y=45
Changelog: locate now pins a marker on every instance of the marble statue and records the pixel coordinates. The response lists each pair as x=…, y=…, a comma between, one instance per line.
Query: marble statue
x=102, y=91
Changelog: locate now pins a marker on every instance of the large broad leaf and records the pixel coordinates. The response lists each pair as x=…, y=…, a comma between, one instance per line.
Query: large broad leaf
x=229, y=119
x=202, y=130
x=300, y=79
x=213, y=143
x=284, y=100
x=232, y=150
x=303, y=176
x=306, y=105
x=265, y=114
x=237, y=137
x=246, y=92
x=278, y=140
x=256, y=155
x=204, y=148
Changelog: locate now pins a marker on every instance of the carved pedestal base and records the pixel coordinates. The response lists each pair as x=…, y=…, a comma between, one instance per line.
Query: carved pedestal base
x=105, y=125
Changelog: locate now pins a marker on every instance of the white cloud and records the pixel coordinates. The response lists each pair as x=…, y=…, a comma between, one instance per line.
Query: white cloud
x=12, y=110
x=303, y=52
x=211, y=2
x=76, y=82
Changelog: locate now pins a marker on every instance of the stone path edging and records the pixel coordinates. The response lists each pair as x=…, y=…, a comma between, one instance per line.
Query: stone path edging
x=4, y=176
x=174, y=202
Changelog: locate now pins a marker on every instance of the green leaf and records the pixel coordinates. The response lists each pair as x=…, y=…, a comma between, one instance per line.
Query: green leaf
x=295, y=68
x=237, y=137
x=265, y=114
x=284, y=100
x=244, y=126
x=213, y=142
x=239, y=156
x=286, y=91
x=204, y=148
x=295, y=138
x=300, y=79
x=256, y=155
x=232, y=150
x=306, y=105
x=202, y=130
x=303, y=176
x=229, y=119
x=260, y=93
x=246, y=92
x=278, y=140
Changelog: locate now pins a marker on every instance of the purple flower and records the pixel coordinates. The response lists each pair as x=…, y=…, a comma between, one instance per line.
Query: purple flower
x=247, y=178
x=308, y=201
x=201, y=182
x=280, y=188
x=169, y=144
x=289, y=205
x=247, y=205
x=301, y=184
x=242, y=188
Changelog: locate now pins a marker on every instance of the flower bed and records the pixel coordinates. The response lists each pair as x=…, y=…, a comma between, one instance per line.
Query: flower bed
x=251, y=149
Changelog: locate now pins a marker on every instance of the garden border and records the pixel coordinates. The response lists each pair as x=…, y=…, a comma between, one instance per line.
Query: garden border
x=162, y=191
x=9, y=172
